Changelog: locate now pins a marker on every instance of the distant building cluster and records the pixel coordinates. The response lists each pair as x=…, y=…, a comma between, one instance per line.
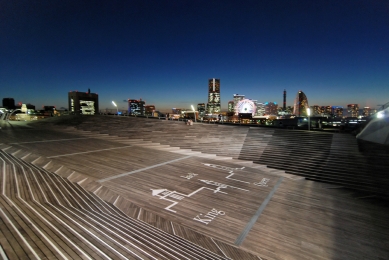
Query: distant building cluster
x=87, y=103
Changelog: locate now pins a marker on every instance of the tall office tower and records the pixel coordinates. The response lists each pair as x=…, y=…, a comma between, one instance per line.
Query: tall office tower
x=201, y=109
x=300, y=104
x=213, y=105
x=366, y=111
x=337, y=111
x=328, y=110
x=136, y=107
x=231, y=106
x=284, y=103
x=237, y=99
x=260, y=109
x=352, y=110
x=271, y=108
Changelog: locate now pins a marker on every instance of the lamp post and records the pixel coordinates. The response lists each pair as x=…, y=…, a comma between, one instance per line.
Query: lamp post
x=194, y=112
x=309, y=114
x=117, y=111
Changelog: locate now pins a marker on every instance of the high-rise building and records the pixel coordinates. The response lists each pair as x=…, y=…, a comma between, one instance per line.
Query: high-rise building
x=366, y=111
x=337, y=111
x=284, y=103
x=352, y=110
x=271, y=108
x=300, y=104
x=85, y=103
x=201, y=109
x=326, y=110
x=213, y=105
x=260, y=109
x=136, y=107
x=231, y=106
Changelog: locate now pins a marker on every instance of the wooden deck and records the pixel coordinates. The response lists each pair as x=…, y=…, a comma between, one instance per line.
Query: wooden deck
x=206, y=187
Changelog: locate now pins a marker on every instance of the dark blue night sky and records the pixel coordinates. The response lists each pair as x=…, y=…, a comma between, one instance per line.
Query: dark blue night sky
x=336, y=52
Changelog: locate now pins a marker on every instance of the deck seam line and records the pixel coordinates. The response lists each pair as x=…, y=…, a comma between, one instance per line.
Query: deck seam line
x=254, y=218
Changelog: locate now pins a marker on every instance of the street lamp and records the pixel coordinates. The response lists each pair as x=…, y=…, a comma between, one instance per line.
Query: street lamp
x=117, y=111
x=194, y=112
x=309, y=114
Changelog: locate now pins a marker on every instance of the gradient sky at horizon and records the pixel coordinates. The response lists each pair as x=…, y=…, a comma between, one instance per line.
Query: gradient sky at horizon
x=336, y=52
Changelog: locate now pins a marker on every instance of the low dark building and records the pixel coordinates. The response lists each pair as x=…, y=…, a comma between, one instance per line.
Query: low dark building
x=9, y=103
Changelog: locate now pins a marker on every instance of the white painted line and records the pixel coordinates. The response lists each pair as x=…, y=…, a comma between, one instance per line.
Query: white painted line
x=20, y=235
x=143, y=169
x=94, y=151
x=48, y=141
x=174, y=232
x=219, y=248
x=140, y=209
x=2, y=253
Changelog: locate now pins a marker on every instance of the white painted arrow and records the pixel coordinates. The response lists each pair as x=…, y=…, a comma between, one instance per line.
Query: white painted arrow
x=157, y=192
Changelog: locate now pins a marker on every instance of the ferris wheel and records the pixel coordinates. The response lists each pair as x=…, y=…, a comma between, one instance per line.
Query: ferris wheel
x=245, y=106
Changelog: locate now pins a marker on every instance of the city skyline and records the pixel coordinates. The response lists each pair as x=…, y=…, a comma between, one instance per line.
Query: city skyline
x=165, y=52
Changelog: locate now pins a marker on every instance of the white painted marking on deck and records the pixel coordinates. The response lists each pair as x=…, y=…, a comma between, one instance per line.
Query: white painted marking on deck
x=48, y=141
x=219, y=247
x=2, y=253
x=142, y=169
x=93, y=151
x=229, y=169
x=20, y=235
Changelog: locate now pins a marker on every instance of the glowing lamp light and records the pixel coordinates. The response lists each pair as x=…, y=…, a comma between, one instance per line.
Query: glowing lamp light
x=117, y=111
x=194, y=112
x=380, y=114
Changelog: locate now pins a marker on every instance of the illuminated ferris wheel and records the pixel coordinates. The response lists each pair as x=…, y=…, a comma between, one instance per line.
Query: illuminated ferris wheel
x=245, y=106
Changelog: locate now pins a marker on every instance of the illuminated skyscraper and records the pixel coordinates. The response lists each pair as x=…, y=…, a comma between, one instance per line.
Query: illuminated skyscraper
x=366, y=111
x=300, y=104
x=352, y=110
x=271, y=108
x=260, y=109
x=231, y=106
x=201, y=109
x=213, y=105
x=136, y=107
x=337, y=111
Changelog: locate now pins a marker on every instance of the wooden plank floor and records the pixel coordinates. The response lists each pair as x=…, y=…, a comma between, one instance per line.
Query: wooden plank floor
x=233, y=203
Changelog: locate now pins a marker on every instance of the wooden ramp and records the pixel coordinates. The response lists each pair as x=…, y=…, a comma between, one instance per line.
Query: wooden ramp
x=195, y=185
